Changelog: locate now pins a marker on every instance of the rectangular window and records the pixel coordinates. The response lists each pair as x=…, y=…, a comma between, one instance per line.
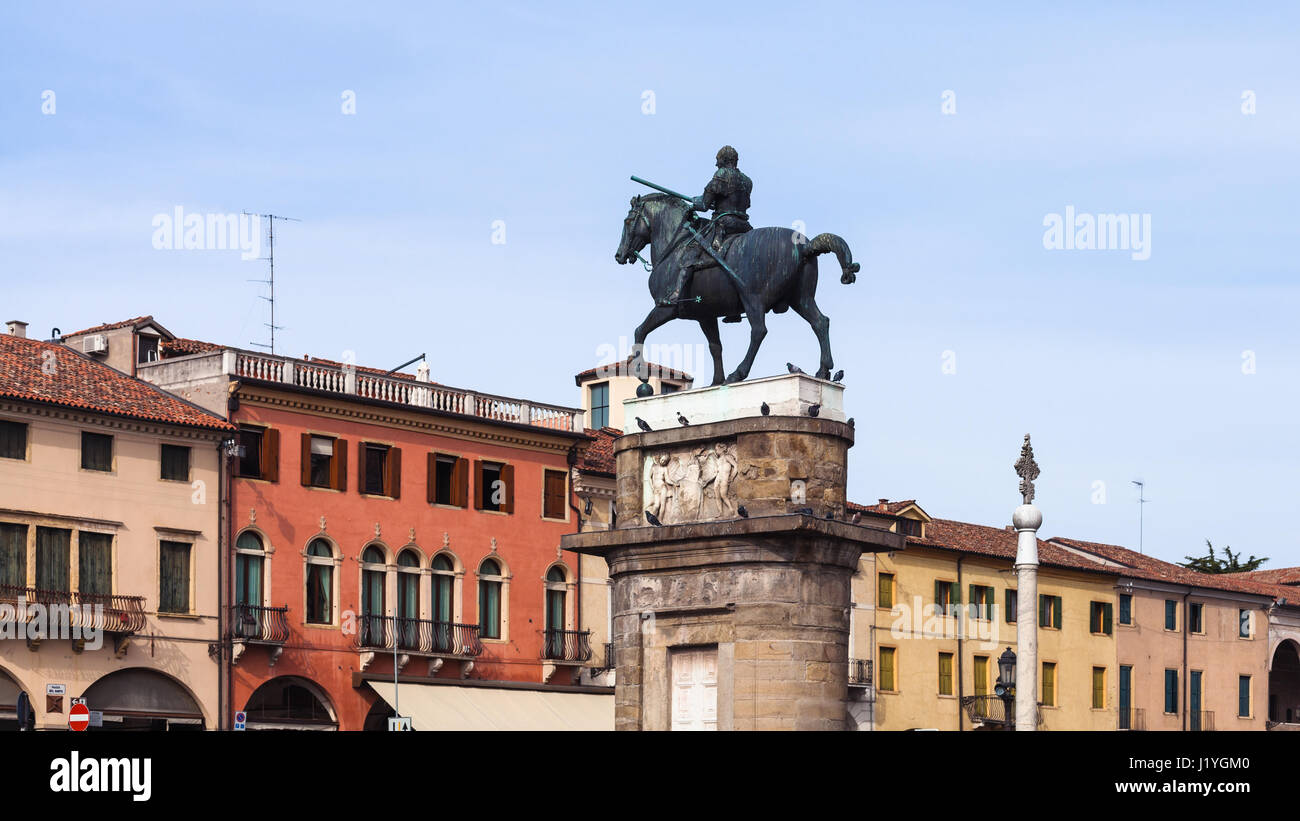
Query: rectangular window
x=1171, y=614
x=1125, y=697
x=1099, y=617
x=324, y=462
x=553, y=502
x=147, y=348
x=981, y=675
x=945, y=674
x=259, y=454
x=176, y=463
x=888, y=656
x=374, y=469
x=599, y=405
x=95, y=563
x=669, y=387
x=496, y=487
x=1243, y=624
x=1099, y=688
x=885, y=590
x=448, y=480
x=1049, y=684
x=96, y=451
x=53, y=559
x=1196, y=617
x=174, y=577
x=13, y=554
x=1049, y=612
x=981, y=602
x=13, y=440
x=1171, y=691
x=909, y=527
x=946, y=598
x=1125, y=608
x=1243, y=696
x=1013, y=606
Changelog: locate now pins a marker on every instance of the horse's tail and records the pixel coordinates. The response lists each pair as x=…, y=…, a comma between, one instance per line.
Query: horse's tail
x=830, y=243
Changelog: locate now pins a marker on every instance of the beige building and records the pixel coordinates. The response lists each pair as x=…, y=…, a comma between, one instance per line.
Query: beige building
x=110, y=498
x=603, y=389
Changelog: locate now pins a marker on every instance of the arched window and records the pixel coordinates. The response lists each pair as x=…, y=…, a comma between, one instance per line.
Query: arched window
x=250, y=558
x=444, y=577
x=408, y=599
x=556, y=591
x=489, y=599
x=320, y=582
x=373, y=571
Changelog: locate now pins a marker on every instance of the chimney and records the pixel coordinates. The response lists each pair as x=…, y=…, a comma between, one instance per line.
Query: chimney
x=18, y=328
x=884, y=501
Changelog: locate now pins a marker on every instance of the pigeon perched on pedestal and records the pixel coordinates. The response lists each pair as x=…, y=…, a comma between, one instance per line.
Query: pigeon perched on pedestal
x=683, y=419
x=813, y=410
x=744, y=514
x=765, y=409
x=839, y=376
x=653, y=519
x=792, y=368
x=643, y=425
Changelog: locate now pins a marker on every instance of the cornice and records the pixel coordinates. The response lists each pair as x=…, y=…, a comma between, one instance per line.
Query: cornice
x=112, y=422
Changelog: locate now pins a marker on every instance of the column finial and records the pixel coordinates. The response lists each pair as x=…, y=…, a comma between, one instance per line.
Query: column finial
x=1027, y=470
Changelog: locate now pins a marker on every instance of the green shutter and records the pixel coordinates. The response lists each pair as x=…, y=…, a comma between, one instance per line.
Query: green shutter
x=1056, y=612
x=1107, y=618
x=938, y=599
x=1042, y=610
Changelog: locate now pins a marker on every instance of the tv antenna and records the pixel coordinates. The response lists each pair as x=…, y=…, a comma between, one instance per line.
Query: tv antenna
x=270, y=231
x=1142, y=501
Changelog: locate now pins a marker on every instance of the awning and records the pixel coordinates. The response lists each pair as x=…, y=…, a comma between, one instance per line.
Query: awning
x=451, y=707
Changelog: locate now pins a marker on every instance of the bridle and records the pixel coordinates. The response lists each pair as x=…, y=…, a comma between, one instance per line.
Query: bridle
x=638, y=212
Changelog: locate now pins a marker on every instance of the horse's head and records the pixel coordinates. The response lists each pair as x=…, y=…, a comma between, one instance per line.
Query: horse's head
x=636, y=232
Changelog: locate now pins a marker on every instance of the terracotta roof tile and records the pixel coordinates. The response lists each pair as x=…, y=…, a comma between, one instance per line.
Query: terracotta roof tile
x=884, y=506
x=1277, y=575
x=623, y=369
x=1142, y=566
x=79, y=382
x=109, y=326
x=184, y=347
x=598, y=457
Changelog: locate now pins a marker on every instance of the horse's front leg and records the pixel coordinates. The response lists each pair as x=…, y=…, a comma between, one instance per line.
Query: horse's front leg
x=657, y=316
x=757, y=330
x=710, y=328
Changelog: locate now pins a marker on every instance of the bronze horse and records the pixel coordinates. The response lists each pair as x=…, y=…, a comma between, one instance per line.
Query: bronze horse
x=776, y=269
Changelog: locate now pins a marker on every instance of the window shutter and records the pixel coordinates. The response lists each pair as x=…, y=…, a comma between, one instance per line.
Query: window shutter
x=1107, y=615
x=1056, y=612
x=395, y=472
x=361, y=467
x=508, y=476
x=990, y=596
x=1042, y=611
x=431, y=479
x=339, y=465
x=938, y=598
x=478, y=484
x=271, y=455
x=306, y=459
x=460, y=483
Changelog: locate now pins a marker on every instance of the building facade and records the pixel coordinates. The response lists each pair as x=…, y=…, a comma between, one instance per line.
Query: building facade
x=110, y=499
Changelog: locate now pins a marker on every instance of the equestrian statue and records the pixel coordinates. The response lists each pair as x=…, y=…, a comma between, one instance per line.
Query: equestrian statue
x=706, y=269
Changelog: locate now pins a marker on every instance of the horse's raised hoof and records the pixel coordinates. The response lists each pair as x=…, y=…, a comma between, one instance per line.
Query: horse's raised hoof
x=848, y=278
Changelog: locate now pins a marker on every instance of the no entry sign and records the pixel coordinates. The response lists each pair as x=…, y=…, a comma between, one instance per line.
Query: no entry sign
x=79, y=717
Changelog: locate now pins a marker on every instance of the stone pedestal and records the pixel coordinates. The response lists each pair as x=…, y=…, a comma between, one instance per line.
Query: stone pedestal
x=746, y=612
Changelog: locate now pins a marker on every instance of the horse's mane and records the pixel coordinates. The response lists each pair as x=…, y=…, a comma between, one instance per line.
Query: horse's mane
x=664, y=198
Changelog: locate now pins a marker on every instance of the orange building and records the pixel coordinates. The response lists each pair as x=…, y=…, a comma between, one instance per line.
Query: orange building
x=383, y=524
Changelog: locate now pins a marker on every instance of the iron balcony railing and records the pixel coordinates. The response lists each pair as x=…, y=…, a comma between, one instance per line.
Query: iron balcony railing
x=992, y=710
x=1200, y=721
x=859, y=672
x=263, y=625
x=420, y=636
x=88, y=611
x=566, y=645
x=609, y=656
x=1134, y=718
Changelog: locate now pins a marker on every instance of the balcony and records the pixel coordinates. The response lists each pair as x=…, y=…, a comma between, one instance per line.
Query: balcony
x=65, y=614
x=436, y=640
x=566, y=645
x=1134, y=718
x=255, y=624
x=990, y=713
x=859, y=672
x=1200, y=721
x=365, y=383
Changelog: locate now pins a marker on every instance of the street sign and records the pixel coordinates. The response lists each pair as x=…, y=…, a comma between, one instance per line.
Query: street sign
x=77, y=701
x=96, y=718
x=241, y=718
x=79, y=717
x=399, y=723
x=56, y=689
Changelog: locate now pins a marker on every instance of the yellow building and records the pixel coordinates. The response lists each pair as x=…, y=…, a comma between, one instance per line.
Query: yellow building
x=934, y=618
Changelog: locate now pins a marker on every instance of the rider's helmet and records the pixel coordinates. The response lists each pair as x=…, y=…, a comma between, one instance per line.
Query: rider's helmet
x=727, y=157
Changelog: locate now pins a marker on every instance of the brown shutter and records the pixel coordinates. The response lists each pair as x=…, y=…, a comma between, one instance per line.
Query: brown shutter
x=271, y=455
x=395, y=472
x=478, y=484
x=431, y=481
x=361, y=467
x=306, y=460
x=508, y=477
x=460, y=483
x=339, y=465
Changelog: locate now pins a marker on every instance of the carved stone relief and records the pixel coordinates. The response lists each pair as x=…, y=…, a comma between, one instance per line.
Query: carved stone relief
x=691, y=484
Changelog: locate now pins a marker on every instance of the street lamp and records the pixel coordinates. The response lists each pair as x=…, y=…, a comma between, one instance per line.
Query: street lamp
x=1005, y=688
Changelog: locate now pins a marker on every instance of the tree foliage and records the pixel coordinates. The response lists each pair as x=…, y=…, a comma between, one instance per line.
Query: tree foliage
x=1231, y=563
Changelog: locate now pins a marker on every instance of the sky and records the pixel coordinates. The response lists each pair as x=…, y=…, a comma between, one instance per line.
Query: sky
x=469, y=205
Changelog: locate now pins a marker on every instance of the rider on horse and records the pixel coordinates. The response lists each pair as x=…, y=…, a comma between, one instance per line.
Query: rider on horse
x=727, y=196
